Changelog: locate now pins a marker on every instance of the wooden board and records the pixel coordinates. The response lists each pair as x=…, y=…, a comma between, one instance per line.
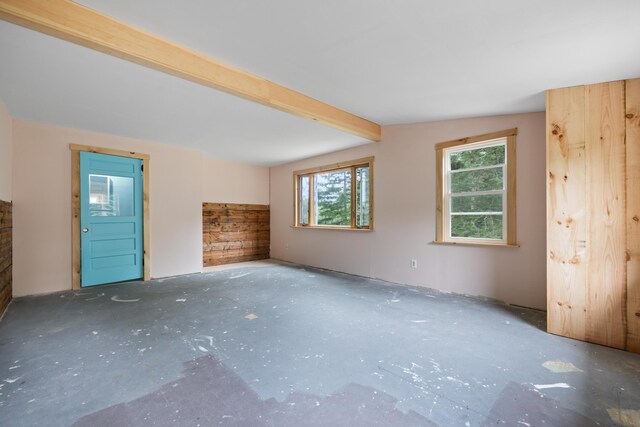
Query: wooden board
x=212, y=207
x=146, y=215
x=566, y=213
x=234, y=233
x=76, y=266
x=477, y=138
x=235, y=227
x=606, y=278
x=633, y=213
x=233, y=260
x=6, y=257
x=244, y=244
x=234, y=236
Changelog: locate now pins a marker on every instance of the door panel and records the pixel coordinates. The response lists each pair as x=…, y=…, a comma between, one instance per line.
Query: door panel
x=110, y=218
x=112, y=229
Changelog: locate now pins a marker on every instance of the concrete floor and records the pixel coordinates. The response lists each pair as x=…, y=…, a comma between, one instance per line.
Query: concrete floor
x=286, y=345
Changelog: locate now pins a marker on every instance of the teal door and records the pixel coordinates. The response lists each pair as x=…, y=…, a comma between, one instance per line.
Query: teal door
x=110, y=219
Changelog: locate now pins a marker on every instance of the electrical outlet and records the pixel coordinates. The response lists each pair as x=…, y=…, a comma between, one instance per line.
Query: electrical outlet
x=286, y=246
x=414, y=263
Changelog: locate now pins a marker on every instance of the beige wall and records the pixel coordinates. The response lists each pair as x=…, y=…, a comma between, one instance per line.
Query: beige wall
x=181, y=179
x=42, y=203
x=226, y=182
x=5, y=153
x=405, y=217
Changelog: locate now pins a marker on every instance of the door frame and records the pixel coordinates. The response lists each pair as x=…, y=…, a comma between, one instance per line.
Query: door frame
x=76, y=267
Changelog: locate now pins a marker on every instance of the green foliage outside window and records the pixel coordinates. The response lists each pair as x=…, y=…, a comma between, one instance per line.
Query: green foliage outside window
x=486, y=156
x=476, y=171
x=477, y=226
x=333, y=198
x=476, y=180
x=339, y=197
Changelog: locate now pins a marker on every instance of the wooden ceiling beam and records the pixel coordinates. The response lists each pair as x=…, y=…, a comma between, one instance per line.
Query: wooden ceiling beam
x=80, y=25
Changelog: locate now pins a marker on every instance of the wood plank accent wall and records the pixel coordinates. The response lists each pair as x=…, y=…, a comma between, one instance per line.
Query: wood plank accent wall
x=566, y=214
x=234, y=233
x=606, y=278
x=633, y=213
x=593, y=206
x=6, y=250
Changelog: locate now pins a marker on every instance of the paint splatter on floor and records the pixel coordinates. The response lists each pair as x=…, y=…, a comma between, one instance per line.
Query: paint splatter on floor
x=556, y=385
x=625, y=417
x=558, y=366
x=518, y=405
x=313, y=336
x=116, y=299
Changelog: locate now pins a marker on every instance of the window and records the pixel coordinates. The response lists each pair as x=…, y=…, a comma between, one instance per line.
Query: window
x=110, y=195
x=335, y=196
x=476, y=190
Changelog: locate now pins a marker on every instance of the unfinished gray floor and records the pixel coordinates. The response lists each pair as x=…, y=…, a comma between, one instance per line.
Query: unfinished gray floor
x=285, y=345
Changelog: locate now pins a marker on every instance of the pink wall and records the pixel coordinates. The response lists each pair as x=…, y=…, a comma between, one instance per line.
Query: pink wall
x=5, y=153
x=42, y=203
x=405, y=217
x=181, y=179
x=226, y=182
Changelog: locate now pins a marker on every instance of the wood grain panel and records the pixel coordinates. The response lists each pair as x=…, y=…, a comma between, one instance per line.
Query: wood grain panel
x=212, y=207
x=6, y=254
x=633, y=213
x=566, y=213
x=477, y=138
x=606, y=278
x=76, y=266
x=234, y=233
x=231, y=260
x=146, y=216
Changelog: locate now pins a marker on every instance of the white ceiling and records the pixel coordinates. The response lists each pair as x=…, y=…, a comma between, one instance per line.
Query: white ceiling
x=390, y=62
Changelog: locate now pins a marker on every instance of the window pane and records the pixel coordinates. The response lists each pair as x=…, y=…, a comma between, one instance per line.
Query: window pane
x=488, y=203
x=486, y=156
x=477, y=226
x=304, y=200
x=477, y=180
x=362, y=196
x=332, y=193
x=110, y=196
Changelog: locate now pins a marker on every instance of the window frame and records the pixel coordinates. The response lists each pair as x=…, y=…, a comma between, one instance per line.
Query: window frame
x=443, y=195
x=335, y=167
